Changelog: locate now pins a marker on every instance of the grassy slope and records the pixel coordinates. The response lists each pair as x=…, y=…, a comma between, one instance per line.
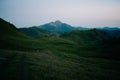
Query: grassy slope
x=51, y=58
x=45, y=65
x=95, y=42
x=86, y=38
x=12, y=38
x=37, y=32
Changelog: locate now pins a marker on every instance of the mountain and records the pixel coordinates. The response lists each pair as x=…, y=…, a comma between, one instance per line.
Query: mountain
x=57, y=26
x=51, y=29
x=113, y=32
x=109, y=28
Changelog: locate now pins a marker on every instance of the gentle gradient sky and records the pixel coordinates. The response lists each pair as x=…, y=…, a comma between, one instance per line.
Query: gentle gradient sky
x=86, y=13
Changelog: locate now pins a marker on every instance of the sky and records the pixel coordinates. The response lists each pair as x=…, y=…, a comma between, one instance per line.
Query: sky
x=84, y=13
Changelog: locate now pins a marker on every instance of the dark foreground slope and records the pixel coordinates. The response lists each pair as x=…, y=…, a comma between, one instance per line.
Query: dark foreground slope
x=87, y=38
x=98, y=42
x=12, y=38
x=50, y=58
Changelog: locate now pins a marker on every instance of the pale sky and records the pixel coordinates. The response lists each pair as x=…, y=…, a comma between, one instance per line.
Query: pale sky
x=85, y=13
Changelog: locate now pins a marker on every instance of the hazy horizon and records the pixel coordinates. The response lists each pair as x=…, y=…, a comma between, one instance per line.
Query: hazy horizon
x=84, y=13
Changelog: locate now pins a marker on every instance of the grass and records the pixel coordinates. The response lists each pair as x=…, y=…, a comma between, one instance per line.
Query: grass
x=45, y=65
x=76, y=56
x=55, y=58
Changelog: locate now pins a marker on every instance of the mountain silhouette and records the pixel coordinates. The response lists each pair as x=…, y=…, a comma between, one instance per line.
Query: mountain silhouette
x=57, y=26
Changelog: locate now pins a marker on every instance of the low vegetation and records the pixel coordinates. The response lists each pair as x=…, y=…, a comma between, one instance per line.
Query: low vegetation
x=78, y=55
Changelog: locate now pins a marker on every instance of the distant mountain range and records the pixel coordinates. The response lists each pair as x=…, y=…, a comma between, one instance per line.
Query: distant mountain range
x=57, y=28
x=111, y=31
x=109, y=28
x=52, y=29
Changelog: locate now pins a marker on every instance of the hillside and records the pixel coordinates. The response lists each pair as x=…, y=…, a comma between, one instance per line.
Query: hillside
x=37, y=32
x=8, y=30
x=76, y=55
x=96, y=42
x=12, y=38
x=91, y=37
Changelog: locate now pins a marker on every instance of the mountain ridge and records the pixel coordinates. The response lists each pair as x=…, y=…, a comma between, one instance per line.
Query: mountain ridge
x=54, y=28
x=58, y=28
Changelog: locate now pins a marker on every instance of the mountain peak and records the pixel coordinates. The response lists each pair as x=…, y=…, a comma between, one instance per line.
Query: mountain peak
x=58, y=21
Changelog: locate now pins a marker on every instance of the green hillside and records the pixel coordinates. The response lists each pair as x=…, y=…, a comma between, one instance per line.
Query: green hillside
x=12, y=38
x=37, y=32
x=96, y=42
x=72, y=56
x=86, y=38
x=8, y=30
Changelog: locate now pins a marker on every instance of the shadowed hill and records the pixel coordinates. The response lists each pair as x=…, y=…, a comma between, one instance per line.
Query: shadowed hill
x=37, y=32
x=86, y=38
x=97, y=41
x=9, y=30
x=12, y=38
